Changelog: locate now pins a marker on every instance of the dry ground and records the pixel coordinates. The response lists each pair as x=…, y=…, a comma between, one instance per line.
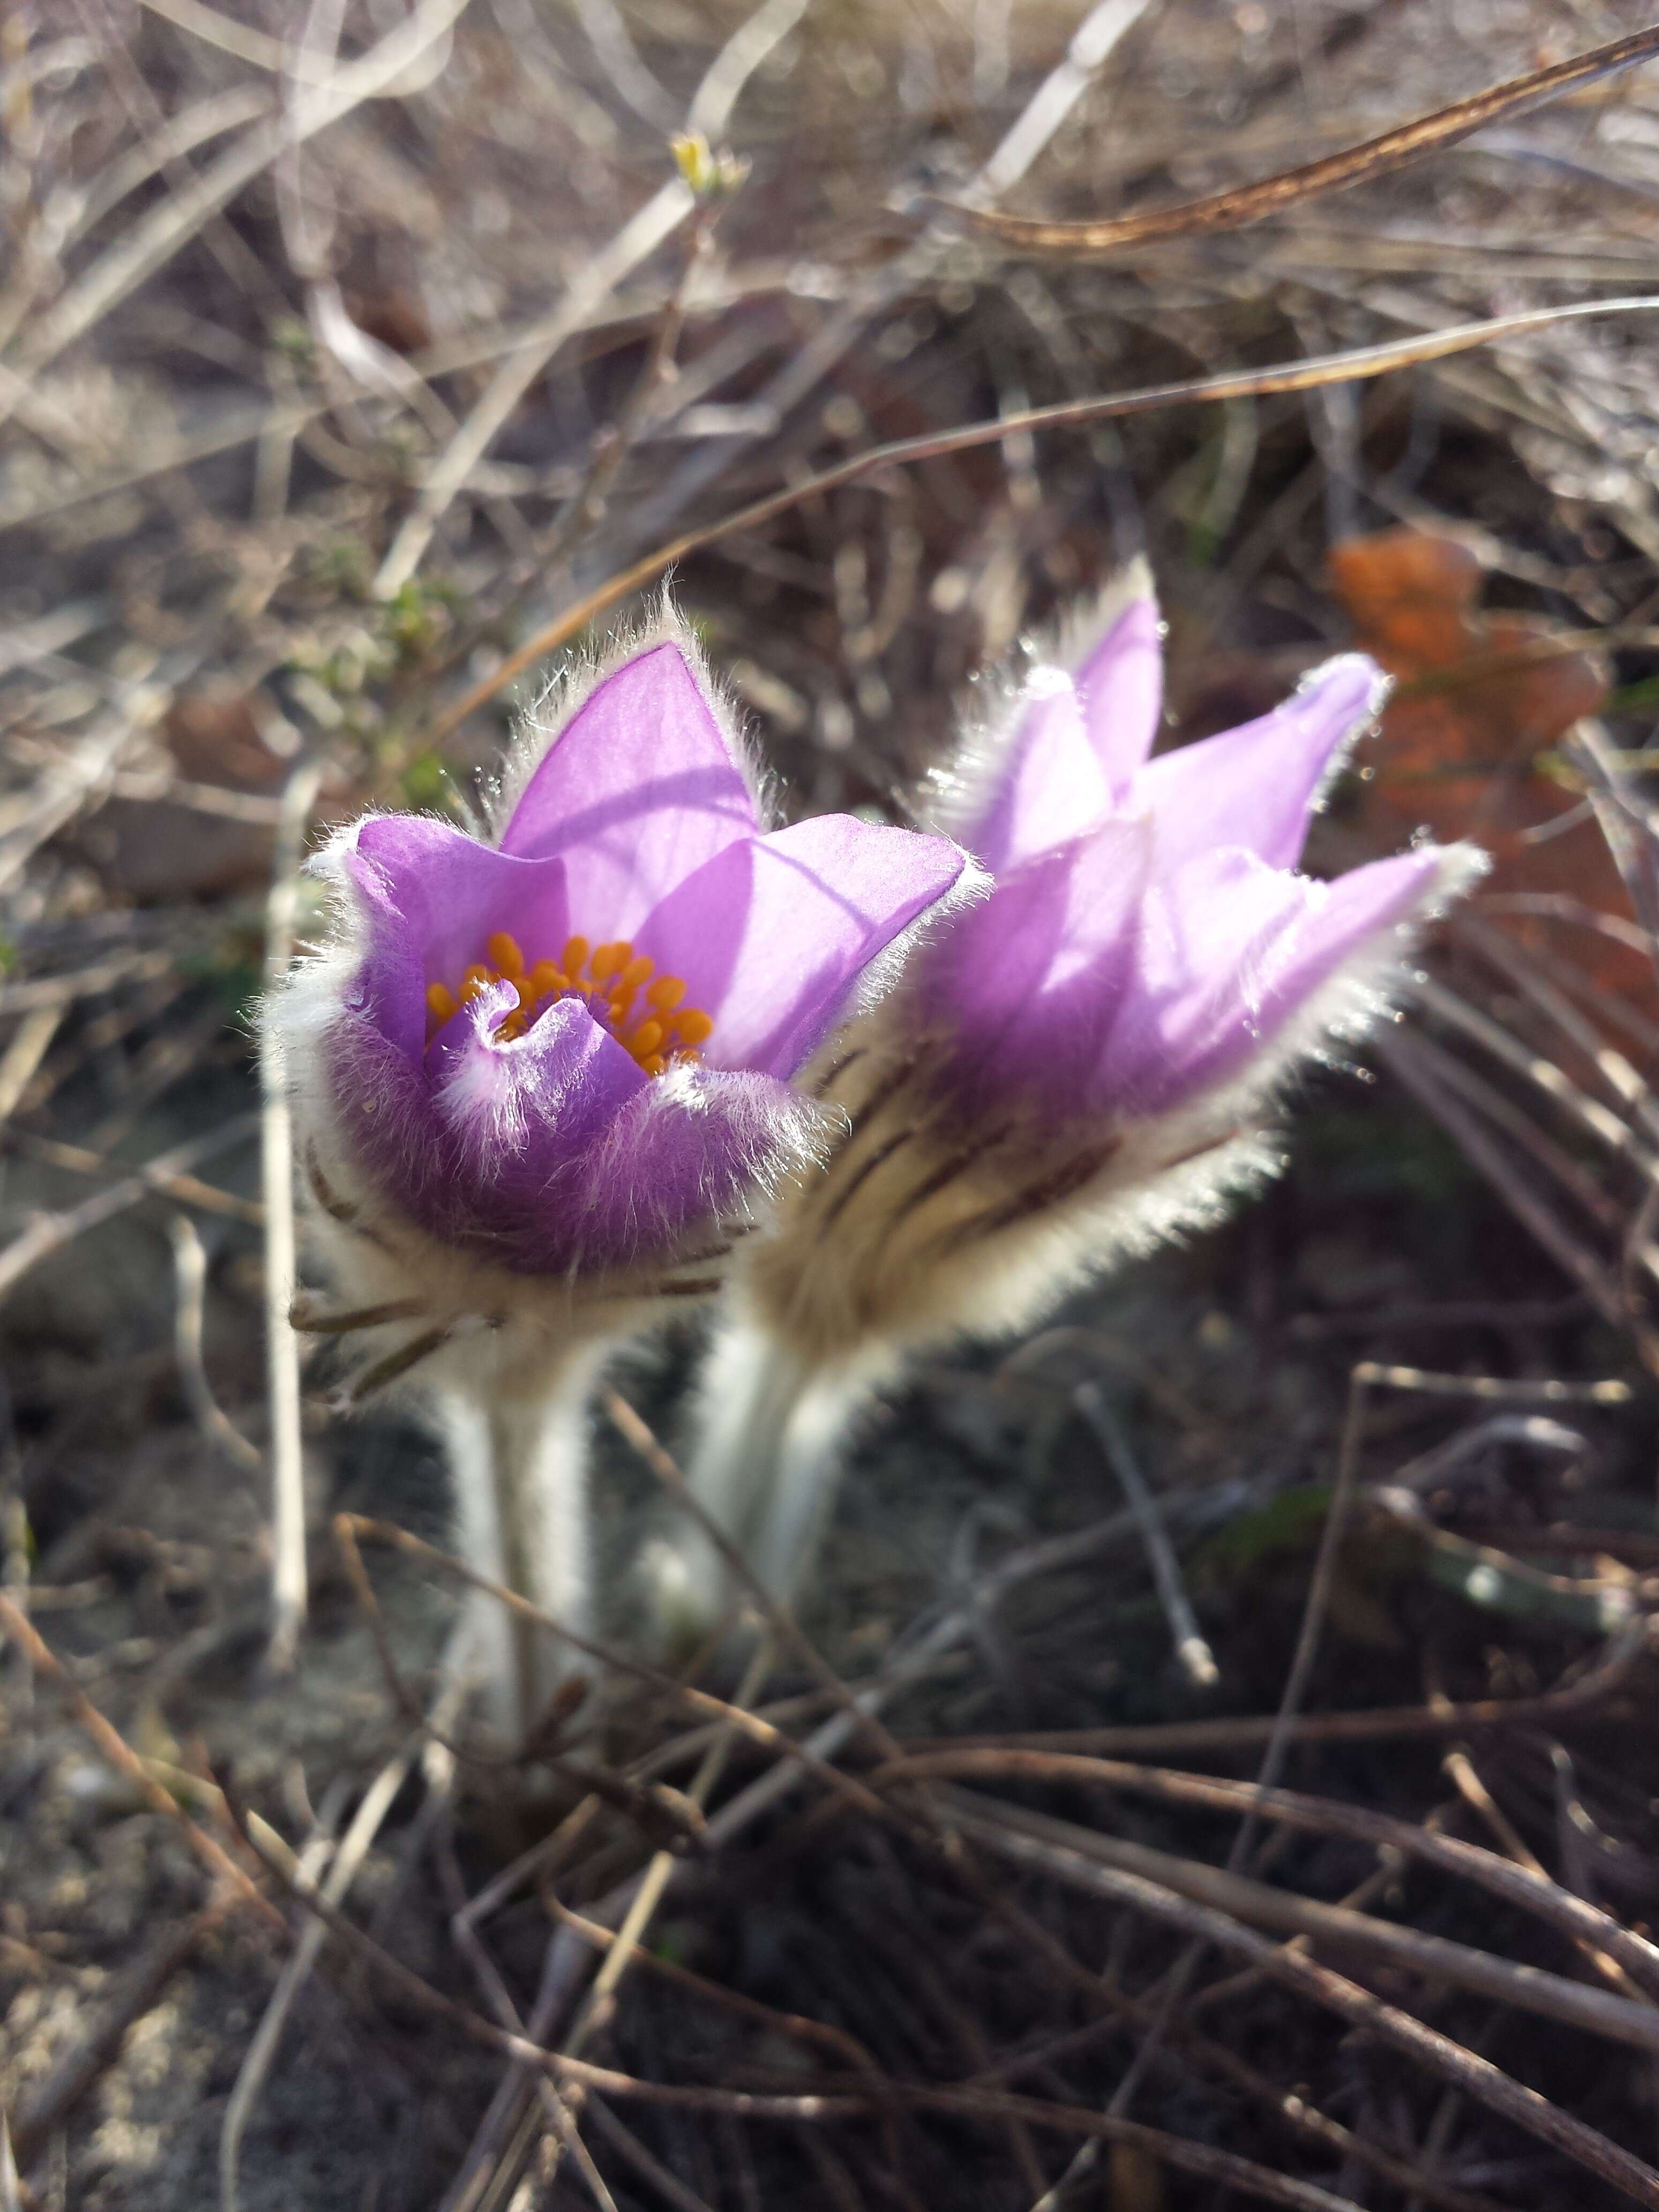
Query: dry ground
x=307, y=423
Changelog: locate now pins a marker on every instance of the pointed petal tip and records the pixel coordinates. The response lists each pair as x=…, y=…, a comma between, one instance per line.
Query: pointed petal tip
x=1351, y=690
x=1129, y=588
x=1462, y=866
x=1116, y=655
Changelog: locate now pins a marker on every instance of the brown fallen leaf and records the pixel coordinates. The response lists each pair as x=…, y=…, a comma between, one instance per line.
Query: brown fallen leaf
x=1467, y=747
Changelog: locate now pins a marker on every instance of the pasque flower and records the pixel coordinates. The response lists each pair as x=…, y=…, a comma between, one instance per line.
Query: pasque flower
x=1075, y=1067
x=542, y=1076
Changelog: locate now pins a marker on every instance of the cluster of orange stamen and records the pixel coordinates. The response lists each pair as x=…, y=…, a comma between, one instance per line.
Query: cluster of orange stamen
x=656, y=1029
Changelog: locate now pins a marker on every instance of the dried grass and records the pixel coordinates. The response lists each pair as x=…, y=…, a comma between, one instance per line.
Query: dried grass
x=353, y=355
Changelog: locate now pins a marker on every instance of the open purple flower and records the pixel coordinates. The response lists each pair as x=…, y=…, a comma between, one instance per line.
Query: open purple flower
x=568, y=1049
x=541, y=1079
x=1148, y=940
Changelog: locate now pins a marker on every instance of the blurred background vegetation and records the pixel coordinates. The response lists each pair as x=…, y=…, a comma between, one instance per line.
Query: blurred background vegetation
x=347, y=347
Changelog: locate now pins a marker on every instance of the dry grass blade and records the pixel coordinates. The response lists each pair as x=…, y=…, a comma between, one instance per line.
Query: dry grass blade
x=1380, y=1725
x=639, y=238
x=19, y=1631
x=11, y=2196
x=1192, y=1649
x=1308, y=375
x=349, y=1526
x=345, y=1867
x=165, y=229
x=188, y=1190
x=1475, y=2076
x=289, y=1579
x=1356, y=164
x=1437, y=1959
x=53, y=1230
x=190, y=1271
x=816, y=2108
x=1528, y=1887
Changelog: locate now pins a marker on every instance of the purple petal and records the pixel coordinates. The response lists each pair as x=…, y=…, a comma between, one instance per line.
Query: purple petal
x=1257, y=787
x=1030, y=982
x=1231, y=951
x=691, y=1148
x=639, y=790
x=1119, y=682
x=521, y=1114
x=432, y=897
x=1050, y=787
x=770, y=936
x=1346, y=925
x=552, y=1153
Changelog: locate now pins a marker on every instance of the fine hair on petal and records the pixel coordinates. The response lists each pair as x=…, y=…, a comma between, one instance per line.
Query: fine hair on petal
x=917, y=1233
x=990, y=714
x=540, y=725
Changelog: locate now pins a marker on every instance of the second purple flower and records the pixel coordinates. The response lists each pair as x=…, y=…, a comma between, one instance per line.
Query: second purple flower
x=1074, y=1069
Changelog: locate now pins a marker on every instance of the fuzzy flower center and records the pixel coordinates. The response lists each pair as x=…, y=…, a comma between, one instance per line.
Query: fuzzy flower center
x=655, y=1027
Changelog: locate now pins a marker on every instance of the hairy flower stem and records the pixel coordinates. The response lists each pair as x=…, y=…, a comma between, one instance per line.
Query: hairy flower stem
x=770, y=1446
x=519, y=1459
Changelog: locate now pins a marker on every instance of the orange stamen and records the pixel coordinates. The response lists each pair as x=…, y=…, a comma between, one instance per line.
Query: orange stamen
x=666, y=1034
x=505, y=956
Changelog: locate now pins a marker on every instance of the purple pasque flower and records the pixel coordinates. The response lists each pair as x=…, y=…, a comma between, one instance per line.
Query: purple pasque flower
x=565, y=1050
x=1073, y=1072
x=1149, y=939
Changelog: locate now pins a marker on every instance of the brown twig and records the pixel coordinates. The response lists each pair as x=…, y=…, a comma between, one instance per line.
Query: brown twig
x=1258, y=1905
x=20, y=1631
x=53, y=1231
x=188, y=1190
x=1526, y=1886
x=1356, y=164
x=349, y=1526
x=1477, y=2077
x=820, y=2106
x=1382, y=1726
x=1360, y=363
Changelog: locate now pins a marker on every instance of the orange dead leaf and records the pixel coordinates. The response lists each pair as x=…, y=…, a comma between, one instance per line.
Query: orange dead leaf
x=1481, y=699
